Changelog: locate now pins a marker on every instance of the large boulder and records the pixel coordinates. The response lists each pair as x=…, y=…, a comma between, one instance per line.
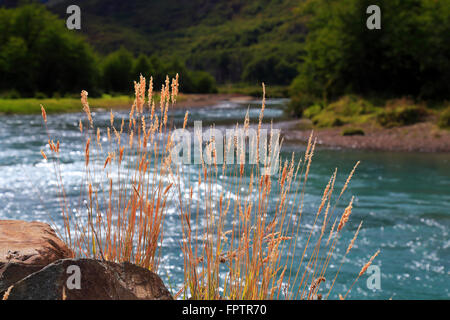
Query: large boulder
x=30, y=243
x=88, y=279
x=26, y=247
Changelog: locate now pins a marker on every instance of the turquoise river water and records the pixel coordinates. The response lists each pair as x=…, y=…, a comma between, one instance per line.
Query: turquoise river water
x=403, y=199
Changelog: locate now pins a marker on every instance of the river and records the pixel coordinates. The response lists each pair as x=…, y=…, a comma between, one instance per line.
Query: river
x=403, y=199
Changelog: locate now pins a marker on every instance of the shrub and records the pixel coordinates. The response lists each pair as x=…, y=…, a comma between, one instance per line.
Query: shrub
x=401, y=116
x=118, y=71
x=353, y=132
x=203, y=82
x=56, y=95
x=444, y=119
x=348, y=109
x=299, y=103
x=327, y=119
x=351, y=105
x=10, y=94
x=312, y=111
x=40, y=95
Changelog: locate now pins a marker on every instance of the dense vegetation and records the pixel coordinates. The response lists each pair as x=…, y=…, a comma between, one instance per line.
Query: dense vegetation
x=408, y=56
x=321, y=49
x=234, y=40
x=38, y=54
x=40, y=57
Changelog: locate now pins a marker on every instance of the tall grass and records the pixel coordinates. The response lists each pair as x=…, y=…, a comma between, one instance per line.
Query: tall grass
x=243, y=234
x=123, y=200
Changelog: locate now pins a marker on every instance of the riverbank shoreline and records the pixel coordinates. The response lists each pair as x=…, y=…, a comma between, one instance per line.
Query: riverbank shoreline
x=424, y=137
x=66, y=105
x=187, y=101
x=190, y=101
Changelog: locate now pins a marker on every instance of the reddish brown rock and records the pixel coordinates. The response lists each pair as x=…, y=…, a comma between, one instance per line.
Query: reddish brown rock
x=26, y=247
x=98, y=280
x=31, y=243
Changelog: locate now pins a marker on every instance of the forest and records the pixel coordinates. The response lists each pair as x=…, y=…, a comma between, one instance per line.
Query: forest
x=320, y=49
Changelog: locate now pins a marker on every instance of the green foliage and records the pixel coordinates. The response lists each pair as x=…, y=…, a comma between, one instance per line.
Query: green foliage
x=10, y=94
x=234, y=40
x=118, y=71
x=327, y=119
x=400, y=115
x=40, y=95
x=269, y=69
x=143, y=66
x=353, y=132
x=38, y=53
x=351, y=105
x=343, y=56
x=312, y=111
x=300, y=102
x=347, y=109
x=204, y=82
x=444, y=119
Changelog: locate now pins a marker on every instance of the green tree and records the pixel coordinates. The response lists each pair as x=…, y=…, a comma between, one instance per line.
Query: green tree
x=39, y=54
x=118, y=71
x=271, y=69
x=343, y=56
x=69, y=65
x=142, y=66
x=157, y=70
x=13, y=65
x=204, y=82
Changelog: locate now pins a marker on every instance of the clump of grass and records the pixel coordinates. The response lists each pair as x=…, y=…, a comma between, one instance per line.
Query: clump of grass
x=327, y=119
x=122, y=203
x=242, y=228
x=348, y=109
x=312, y=111
x=401, y=112
x=243, y=259
x=351, y=105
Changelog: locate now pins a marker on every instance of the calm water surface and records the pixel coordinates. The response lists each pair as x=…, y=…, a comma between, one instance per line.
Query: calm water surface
x=403, y=199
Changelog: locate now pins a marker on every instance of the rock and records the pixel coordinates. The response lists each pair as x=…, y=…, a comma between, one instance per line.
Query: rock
x=26, y=247
x=10, y=273
x=30, y=243
x=98, y=280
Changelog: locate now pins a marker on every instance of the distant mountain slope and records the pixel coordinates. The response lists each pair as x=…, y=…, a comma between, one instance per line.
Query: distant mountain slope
x=233, y=39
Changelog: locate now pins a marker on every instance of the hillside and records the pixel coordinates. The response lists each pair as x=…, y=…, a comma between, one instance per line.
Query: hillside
x=235, y=40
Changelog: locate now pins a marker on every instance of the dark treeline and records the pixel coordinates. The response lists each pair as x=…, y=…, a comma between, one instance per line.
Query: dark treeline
x=408, y=57
x=120, y=68
x=40, y=56
x=237, y=42
x=234, y=40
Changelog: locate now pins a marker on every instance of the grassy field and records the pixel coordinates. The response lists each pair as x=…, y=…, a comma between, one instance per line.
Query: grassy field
x=54, y=105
